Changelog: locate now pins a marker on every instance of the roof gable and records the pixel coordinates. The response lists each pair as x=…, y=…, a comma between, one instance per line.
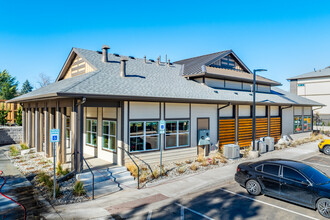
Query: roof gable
x=75, y=65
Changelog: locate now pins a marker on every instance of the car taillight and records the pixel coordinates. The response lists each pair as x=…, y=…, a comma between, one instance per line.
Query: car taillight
x=238, y=169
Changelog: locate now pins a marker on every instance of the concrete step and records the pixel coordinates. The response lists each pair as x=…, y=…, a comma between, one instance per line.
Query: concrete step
x=118, y=169
x=102, y=189
x=120, y=175
x=129, y=184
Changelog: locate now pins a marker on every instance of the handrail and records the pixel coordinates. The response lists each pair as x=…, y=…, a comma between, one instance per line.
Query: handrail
x=138, y=176
x=91, y=173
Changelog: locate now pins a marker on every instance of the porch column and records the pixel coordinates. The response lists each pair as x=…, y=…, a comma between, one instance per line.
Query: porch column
x=63, y=136
x=46, y=115
x=58, y=125
x=32, y=128
x=37, y=130
x=236, y=123
x=120, y=151
x=29, y=128
x=52, y=126
x=268, y=119
x=23, y=125
x=78, y=116
x=41, y=123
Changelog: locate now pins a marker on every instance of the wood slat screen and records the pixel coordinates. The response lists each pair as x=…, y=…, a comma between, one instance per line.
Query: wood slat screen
x=275, y=128
x=226, y=131
x=261, y=127
x=245, y=132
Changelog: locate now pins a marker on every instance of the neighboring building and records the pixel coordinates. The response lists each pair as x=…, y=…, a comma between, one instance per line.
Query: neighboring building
x=106, y=104
x=314, y=86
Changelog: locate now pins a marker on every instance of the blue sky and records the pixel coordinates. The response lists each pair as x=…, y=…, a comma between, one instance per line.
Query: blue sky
x=285, y=37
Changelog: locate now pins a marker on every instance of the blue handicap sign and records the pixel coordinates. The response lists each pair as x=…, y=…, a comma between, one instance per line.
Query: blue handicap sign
x=162, y=127
x=54, y=135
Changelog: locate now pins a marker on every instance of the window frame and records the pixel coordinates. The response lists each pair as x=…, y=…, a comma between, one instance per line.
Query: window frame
x=308, y=181
x=144, y=136
x=109, y=135
x=177, y=133
x=308, y=124
x=91, y=132
x=301, y=123
x=279, y=169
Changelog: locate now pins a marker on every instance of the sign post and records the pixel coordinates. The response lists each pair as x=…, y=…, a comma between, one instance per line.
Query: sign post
x=161, y=131
x=54, y=138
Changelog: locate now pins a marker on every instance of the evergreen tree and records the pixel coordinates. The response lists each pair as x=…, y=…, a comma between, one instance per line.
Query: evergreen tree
x=3, y=115
x=18, y=119
x=8, y=85
x=26, y=87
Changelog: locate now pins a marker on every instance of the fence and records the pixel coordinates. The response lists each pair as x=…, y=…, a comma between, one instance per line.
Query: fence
x=12, y=108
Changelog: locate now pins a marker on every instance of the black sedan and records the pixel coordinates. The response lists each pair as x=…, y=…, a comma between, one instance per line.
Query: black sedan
x=288, y=180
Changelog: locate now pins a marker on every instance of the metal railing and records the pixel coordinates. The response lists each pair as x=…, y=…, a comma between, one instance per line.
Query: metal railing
x=91, y=173
x=137, y=166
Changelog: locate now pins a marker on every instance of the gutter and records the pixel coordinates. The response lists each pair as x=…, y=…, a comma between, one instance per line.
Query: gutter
x=290, y=106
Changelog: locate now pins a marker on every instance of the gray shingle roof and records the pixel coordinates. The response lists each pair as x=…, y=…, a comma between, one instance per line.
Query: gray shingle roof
x=194, y=65
x=319, y=73
x=149, y=81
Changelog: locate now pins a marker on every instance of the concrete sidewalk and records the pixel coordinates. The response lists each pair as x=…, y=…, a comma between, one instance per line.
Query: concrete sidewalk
x=171, y=190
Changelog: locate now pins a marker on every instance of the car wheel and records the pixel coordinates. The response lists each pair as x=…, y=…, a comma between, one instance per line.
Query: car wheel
x=253, y=187
x=323, y=206
x=326, y=150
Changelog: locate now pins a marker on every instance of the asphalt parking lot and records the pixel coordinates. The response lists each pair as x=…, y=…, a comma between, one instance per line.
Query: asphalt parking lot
x=230, y=201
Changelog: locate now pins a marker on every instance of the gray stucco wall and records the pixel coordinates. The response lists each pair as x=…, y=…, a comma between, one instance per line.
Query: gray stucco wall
x=287, y=121
x=10, y=135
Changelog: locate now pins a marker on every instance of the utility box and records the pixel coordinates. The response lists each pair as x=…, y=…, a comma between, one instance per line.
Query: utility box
x=262, y=147
x=204, y=137
x=259, y=146
x=269, y=142
x=231, y=151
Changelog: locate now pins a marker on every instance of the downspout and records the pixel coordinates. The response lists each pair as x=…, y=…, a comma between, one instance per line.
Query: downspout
x=218, y=116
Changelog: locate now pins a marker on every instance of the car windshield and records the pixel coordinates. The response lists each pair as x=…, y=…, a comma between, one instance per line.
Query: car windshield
x=316, y=176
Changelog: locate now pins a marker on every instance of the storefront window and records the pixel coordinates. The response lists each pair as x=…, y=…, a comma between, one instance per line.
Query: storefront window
x=307, y=123
x=144, y=136
x=109, y=135
x=177, y=134
x=91, y=132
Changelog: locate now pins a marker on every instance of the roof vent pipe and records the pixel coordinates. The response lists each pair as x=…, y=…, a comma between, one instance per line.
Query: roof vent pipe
x=144, y=59
x=123, y=66
x=105, y=49
x=158, y=60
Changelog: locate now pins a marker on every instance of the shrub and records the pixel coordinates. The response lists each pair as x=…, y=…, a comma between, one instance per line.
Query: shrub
x=18, y=118
x=155, y=174
x=181, y=170
x=3, y=115
x=205, y=163
x=133, y=169
x=194, y=167
x=188, y=161
x=246, y=151
x=61, y=171
x=213, y=161
x=178, y=164
x=143, y=177
x=24, y=146
x=200, y=158
x=14, y=151
x=223, y=160
x=78, y=189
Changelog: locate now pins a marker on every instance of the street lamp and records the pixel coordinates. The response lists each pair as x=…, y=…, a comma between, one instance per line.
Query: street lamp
x=254, y=108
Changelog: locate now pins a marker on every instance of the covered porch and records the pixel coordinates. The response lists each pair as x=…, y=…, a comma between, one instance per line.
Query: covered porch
x=90, y=129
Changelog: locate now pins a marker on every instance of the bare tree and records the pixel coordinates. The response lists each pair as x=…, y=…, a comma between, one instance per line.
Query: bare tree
x=44, y=80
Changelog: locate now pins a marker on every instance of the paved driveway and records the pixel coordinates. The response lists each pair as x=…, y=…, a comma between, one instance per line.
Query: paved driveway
x=230, y=201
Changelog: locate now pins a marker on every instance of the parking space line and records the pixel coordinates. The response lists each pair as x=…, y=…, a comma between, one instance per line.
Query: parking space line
x=198, y=213
x=275, y=206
